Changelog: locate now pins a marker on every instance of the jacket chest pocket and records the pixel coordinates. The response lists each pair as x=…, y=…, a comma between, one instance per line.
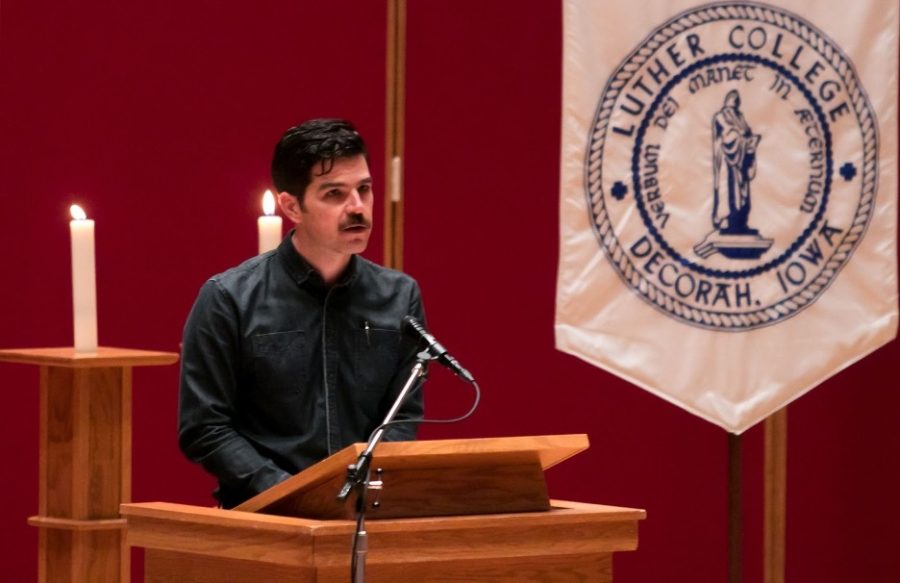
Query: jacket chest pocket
x=377, y=358
x=279, y=365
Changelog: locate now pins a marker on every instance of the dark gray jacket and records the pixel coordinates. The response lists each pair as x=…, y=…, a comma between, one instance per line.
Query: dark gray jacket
x=279, y=371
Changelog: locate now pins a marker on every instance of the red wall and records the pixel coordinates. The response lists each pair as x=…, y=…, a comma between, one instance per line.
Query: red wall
x=160, y=119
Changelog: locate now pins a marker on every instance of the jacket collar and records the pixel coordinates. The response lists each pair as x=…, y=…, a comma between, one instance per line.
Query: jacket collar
x=302, y=272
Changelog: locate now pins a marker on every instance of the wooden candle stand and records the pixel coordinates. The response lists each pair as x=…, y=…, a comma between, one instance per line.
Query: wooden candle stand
x=85, y=459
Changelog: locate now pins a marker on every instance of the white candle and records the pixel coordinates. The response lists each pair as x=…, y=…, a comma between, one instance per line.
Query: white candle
x=84, y=281
x=269, y=225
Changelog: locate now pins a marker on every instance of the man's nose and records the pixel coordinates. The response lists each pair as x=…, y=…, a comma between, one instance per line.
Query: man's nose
x=354, y=202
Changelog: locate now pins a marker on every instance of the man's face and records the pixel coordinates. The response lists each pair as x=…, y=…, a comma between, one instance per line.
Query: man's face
x=335, y=216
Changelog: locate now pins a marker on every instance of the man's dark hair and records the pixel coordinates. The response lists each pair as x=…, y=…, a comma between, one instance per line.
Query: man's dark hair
x=314, y=142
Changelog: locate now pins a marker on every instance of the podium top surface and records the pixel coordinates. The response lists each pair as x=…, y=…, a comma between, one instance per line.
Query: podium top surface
x=561, y=511
x=404, y=546
x=103, y=357
x=447, y=454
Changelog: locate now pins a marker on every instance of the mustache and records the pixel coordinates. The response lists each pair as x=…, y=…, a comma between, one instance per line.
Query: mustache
x=356, y=220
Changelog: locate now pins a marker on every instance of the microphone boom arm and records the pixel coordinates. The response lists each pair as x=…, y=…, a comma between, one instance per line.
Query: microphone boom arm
x=358, y=473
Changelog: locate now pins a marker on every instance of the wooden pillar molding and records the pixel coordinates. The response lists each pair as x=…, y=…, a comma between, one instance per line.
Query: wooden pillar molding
x=395, y=69
x=85, y=459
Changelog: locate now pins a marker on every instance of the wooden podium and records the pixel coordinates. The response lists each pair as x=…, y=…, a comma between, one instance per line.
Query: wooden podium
x=451, y=510
x=85, y=459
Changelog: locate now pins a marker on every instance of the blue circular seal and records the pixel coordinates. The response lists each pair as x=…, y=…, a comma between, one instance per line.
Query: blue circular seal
x=732, y=166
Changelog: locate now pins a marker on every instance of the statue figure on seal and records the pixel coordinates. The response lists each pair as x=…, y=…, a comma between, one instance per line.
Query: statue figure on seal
x=734, y=167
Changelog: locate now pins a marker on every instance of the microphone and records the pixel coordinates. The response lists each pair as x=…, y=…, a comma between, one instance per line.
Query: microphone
x=436, y=349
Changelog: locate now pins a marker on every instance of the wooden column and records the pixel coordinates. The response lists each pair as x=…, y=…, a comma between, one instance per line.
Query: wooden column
x=395, y=72
x=85, y=459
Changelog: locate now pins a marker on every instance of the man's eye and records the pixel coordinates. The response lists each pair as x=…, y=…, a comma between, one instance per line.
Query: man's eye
x=365, y=188
x=333, y=193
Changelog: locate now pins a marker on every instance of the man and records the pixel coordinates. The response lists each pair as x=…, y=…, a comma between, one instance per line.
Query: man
x=297, y=353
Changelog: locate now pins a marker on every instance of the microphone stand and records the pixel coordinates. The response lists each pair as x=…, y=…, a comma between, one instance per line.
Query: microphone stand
x=358, y=473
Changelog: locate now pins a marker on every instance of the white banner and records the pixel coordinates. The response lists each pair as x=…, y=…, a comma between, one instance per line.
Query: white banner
x=728, y=196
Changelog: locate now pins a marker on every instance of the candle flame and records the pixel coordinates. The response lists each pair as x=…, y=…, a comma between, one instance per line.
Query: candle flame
x=77, y=212
x=269, y=203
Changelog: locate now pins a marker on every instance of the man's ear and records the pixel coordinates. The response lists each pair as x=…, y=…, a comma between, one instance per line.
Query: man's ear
x=290, y=206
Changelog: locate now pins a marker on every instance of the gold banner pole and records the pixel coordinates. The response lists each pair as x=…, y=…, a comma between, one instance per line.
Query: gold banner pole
x=775, y=499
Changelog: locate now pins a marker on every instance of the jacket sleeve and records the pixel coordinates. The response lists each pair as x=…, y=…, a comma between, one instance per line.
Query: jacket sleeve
x=413, y=407
x=210, y=367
